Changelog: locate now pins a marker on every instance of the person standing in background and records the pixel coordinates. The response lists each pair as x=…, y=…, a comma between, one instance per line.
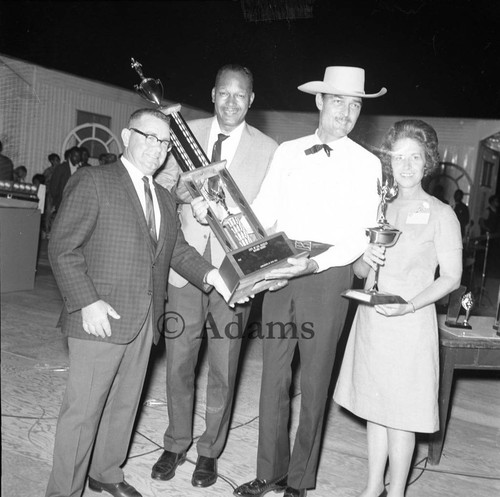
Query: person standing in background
x=48, y=215
x=20, y=173
x=461, y=210
x=84, y=153
x=61, y=175
x=6, y=166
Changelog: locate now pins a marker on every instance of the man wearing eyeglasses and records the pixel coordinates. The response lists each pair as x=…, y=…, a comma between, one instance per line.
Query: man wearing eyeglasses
x=225, y=136
x=112, y=244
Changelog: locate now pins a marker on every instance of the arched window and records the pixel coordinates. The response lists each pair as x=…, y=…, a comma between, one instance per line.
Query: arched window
x=97, y=138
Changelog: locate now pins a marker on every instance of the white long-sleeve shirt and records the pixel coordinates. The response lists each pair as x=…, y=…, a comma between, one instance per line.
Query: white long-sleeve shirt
x=322, y=199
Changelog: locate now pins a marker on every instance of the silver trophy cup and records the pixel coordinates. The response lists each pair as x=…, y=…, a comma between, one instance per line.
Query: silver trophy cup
x=386, y=235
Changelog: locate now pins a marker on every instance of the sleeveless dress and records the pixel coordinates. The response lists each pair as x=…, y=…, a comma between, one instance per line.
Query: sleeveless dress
x=390, y=370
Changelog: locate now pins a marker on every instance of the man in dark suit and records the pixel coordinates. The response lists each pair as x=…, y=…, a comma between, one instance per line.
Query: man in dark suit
x=61, y=175
x=112, y=244
x=248, y=153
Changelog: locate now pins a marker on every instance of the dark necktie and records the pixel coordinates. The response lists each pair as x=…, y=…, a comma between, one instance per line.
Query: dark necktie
x=214, y=181
x=150, y=212
x=316, y=148
x=217, y=149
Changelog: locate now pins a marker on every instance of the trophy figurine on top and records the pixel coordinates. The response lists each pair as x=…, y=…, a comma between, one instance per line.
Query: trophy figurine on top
x=383, y=234
x=250, y=252
x=459, y=299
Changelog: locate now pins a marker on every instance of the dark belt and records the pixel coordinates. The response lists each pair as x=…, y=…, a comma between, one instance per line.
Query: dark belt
x=315, y=248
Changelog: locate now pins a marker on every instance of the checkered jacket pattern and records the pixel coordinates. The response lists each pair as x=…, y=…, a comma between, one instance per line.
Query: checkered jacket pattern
x=100, y=249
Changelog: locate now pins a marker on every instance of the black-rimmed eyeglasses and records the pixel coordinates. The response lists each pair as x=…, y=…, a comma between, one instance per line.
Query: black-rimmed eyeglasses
x=153, y=140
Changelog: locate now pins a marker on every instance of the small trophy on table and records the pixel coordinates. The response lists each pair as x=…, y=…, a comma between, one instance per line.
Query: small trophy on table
x=383, y=234
x=459, y=299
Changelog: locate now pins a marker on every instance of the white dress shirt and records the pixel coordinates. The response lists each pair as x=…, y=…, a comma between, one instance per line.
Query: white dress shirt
x=322, y=199
x=72, y=167
x=229, y=145
x=136, y=177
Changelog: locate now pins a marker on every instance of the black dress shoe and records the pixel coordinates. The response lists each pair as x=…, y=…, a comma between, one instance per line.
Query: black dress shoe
x=164, y=468
x=205, y=473
x=293, y=492
x=122, y=489
x=256, y=488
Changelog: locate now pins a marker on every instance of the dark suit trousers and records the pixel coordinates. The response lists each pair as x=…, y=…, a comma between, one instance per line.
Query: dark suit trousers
x=310, y=302
x=98, y=411
x=188, y=309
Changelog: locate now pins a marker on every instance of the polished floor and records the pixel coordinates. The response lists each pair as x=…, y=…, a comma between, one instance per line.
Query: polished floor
x=34, y=369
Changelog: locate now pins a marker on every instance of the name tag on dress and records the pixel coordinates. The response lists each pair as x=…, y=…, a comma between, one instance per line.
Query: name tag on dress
x=421, y=215
x=418, y=218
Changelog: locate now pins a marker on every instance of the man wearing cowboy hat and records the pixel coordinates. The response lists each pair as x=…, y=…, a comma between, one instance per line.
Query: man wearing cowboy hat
x=321, y=190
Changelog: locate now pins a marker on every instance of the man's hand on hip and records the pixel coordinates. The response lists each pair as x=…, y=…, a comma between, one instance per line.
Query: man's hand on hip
x=95, y=318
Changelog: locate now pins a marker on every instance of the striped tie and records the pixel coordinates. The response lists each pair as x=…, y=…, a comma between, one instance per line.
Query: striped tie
x=150, y=212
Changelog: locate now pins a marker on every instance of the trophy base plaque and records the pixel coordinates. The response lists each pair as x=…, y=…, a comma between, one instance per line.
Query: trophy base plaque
x=453, y=324
x=244, y=270
x=370, y=297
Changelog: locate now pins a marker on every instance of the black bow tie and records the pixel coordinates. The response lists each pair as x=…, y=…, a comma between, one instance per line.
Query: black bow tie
x=316, y=148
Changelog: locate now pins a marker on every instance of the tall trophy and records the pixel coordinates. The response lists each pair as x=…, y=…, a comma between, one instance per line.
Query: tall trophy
x=386, y=235
x=250, y=252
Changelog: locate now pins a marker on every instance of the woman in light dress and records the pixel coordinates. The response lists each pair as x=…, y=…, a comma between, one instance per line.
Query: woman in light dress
x=390, y=371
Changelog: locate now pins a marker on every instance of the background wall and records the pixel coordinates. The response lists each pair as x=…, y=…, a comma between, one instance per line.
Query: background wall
x=38, y=109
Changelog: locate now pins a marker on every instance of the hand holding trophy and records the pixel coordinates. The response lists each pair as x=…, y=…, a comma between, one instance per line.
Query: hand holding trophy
x=250, y=252
x=386, y=235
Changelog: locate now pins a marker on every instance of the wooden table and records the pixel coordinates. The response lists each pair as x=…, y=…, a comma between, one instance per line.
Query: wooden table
x=478, y=348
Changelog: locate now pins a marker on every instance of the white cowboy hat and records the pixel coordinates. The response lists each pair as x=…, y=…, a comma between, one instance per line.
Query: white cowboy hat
x=341, y=80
